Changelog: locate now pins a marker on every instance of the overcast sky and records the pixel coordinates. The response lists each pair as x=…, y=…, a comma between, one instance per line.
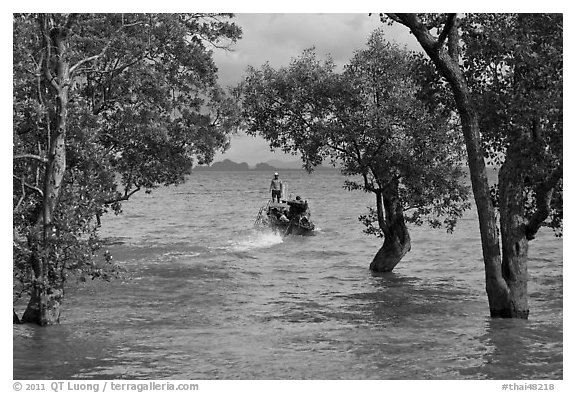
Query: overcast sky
x=276, y=38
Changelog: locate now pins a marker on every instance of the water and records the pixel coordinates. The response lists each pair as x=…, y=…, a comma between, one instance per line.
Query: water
x=206, y=297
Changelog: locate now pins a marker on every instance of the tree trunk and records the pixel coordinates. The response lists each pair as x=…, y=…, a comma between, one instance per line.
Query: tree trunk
x=514, y=241
x=47, y=287
x=396, y=236
x=45, y=305
x=496, y=287
x=15, y=319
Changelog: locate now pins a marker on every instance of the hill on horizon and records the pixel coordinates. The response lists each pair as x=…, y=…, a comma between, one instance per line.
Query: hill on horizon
x=272, y=165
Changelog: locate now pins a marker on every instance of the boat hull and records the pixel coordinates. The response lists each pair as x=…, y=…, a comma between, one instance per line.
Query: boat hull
x=277, y=217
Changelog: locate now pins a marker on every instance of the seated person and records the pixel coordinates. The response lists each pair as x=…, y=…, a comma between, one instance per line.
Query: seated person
x=297, y=207
x=280, y=215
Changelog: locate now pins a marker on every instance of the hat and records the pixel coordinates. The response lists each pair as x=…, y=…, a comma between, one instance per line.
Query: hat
x=276, y=174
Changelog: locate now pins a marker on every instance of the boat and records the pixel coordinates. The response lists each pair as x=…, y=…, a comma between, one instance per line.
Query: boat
x=288, y=217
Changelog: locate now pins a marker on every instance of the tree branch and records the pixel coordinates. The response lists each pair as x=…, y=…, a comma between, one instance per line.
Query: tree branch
x=106, y=47
x=428, y=42
x=394, y=17
x=543, y=198
x=21, y=198
x=334, y=147
x=83, y=61
x=43, y=160
x=48, y=49
x=454, y=40
x=447, y=29
x=125, y=197
x=75, y=66
x=24, y=184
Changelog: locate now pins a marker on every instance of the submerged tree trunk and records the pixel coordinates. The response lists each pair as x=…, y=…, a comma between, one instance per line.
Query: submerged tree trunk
x=396, y=236
x=517, y=229
x=48, y=285
x=514, y=241
x=45, y=304
x=447, y=63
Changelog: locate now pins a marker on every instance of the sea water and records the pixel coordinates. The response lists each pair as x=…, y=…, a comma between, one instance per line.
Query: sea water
x=205, y=296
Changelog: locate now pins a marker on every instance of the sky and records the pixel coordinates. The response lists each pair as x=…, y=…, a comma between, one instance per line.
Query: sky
x=276, y=38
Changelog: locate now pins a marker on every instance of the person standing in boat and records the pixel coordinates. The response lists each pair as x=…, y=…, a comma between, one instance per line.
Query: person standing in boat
x=276, y=188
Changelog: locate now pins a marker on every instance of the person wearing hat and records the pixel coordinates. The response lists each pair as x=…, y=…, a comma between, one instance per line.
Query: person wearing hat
x=276, y=188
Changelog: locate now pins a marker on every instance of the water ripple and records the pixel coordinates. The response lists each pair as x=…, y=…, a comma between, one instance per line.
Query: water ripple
x=207, y=297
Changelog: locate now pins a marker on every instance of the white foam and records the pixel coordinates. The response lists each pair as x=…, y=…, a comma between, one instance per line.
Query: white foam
x=256, y=240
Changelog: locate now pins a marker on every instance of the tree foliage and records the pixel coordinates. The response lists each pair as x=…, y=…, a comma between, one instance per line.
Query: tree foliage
x=517, y=79
x=371, y=121
x=141, y=104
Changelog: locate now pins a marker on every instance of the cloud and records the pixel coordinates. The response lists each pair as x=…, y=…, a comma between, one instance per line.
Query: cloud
x=277, y=38
x=252, y=150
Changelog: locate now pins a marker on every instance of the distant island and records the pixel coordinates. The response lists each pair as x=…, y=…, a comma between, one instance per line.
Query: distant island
x=229, y=165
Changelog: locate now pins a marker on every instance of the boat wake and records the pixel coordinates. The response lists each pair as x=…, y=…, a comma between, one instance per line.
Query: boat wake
x=255, y=240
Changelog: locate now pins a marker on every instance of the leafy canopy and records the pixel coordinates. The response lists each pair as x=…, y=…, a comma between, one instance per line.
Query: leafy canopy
x=371, y=121
x=144, y=103
x=514, y=65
